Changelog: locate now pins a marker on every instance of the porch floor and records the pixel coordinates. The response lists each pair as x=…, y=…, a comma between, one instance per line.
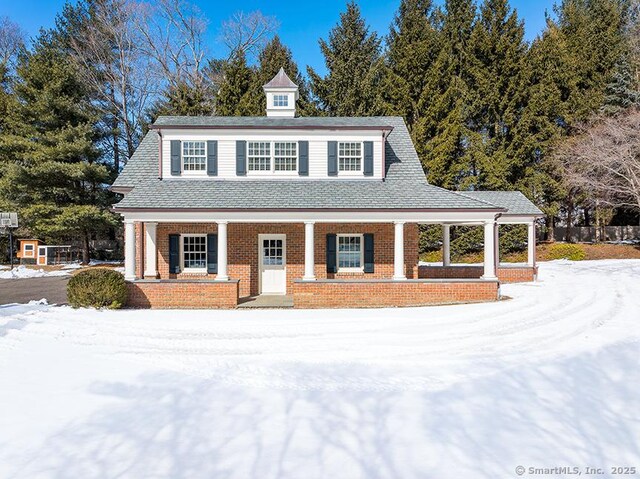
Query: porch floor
x=267, y=301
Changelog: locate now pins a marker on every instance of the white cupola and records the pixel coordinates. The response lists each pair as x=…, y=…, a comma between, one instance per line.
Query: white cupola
x=281, y=94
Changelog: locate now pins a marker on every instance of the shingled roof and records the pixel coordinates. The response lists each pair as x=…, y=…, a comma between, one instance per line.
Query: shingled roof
x=513, y=201
x=281, y=80
x=404, y=186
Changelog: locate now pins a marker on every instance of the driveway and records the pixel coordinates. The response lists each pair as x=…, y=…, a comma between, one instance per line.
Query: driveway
x=53, y=288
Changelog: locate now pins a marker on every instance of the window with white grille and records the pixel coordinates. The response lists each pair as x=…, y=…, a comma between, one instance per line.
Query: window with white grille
x=280, y=100
x=349, y=156
x=285, y=155
x=194, y=252
x=259, y=156
x=350, y=252
x=194, y=156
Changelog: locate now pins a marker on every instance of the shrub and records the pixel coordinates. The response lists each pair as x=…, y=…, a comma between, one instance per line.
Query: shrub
x=573, y=252
x=97, y=288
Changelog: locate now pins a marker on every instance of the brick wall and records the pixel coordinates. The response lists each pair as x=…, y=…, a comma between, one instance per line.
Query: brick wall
x=372, y=294
x=506, y=274
x=183, y=294
x=243, y=250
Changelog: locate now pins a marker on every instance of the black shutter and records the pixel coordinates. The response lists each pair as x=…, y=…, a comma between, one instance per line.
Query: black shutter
x=368, y=158
x=212, y=253
x=174, y=254
x=368, y=253
x=241, y=158
x=332, y=259
x=303, y=158
x=332, y=158
x=176, y=167
x=212, y=158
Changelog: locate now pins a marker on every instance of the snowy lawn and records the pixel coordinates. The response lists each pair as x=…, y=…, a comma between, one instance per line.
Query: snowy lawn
x=548, y=378
x=21, y=271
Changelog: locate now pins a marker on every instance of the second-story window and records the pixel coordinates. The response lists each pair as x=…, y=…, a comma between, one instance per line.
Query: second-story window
x=285, y=155
x=280, y=100
x=259, y=156
x=350, y=156
x=194, y=156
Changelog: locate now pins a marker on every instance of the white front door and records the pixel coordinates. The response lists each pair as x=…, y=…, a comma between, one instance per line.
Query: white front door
x=273, y=264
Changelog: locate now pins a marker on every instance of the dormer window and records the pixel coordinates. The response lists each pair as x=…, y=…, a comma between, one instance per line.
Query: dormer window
x=194, y=156
x=272, y=157
x=350, y=156
x=280, y=100
x=259, y=156
x=285, y=156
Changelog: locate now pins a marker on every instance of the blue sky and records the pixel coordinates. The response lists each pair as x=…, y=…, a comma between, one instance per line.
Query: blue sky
x=301, y=23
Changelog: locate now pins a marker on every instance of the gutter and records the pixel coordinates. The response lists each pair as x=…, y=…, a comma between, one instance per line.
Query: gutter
x=159, y=154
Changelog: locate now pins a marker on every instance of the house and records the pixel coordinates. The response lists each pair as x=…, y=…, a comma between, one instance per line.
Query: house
x=324, y=210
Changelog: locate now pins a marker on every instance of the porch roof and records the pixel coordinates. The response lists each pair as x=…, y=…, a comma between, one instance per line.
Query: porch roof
x=513, y=201
x=404, y=186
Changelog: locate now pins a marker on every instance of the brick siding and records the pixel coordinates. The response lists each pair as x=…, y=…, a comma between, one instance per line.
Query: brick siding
x=506, y=274
x=183, y=294
x=375, y=294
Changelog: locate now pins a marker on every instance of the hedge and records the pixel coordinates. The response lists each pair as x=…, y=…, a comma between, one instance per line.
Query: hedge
x=97, y=288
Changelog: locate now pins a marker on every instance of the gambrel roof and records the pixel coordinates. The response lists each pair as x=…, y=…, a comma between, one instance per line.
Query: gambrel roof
x=404, y=186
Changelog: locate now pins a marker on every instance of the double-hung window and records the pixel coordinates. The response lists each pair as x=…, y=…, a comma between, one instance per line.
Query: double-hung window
x=259, y=156
x=28, y=250
x=281, y=100
x=194, y=253
x=350, y=253
x=194, y=156
x=350, y=156
x=272, y=157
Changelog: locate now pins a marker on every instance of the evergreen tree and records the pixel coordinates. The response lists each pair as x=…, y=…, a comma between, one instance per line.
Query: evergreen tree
x=621, y=93
x=184, y=100
x=352, y=57
x=272, y=57
x=499, y=84
x=51, y=171
x=236, y=78
x=413, y=46
x=443, y=133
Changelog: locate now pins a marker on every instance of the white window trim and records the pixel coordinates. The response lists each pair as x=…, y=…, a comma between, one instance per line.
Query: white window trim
x=359, y=172
x=28, y=250
x=350, y=270
x=272, y=162
x=273, y=100
x=182, y=266
x=202, y=172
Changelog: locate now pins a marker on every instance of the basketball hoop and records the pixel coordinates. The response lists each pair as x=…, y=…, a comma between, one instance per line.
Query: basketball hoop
x=9, y=222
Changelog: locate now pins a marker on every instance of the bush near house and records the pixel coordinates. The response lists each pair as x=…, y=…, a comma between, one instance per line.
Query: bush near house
x=574, y=252
x=97, y=288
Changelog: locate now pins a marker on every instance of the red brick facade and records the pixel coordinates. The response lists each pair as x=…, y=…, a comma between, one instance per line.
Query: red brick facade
x=363, y=294
x=506, y=274
x=189, y=290
x=183, y=294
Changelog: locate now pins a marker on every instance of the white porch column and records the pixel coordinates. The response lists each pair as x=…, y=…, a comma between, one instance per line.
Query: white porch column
x=489, y=251
x=446, y=245
x=129, y=250
x=222, y=251
x=531, y=244
x=150, y=260
x=496, y=243
x=309, y=245
x=398, y=251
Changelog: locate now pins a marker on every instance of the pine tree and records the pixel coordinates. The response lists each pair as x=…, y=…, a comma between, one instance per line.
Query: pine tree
x=413, y=46
x=185, y=100
x=272, y=57
x=499, y=84
x=236, y=78
x=51, y=170
x=443, y=133
x=352, y=57
x=621, y=93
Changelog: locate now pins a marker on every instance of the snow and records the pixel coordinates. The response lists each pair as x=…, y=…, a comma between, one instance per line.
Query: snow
x=20, y=272
x=547, y=378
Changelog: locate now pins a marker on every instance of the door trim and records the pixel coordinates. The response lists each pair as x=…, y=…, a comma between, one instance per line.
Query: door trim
x=283, y=237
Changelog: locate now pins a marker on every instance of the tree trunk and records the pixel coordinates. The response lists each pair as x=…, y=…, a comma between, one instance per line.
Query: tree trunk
x=567, y=235
x=550, y=229
x=587, y=217
x=85, y=249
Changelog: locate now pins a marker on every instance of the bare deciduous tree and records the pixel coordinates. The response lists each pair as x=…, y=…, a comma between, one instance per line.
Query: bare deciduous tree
x=11, y=42
x=248, y=32
x=603, y=160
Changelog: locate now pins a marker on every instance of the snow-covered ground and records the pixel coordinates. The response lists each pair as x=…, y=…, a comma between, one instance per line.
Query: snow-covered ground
x=22, y=271
x=548, y=378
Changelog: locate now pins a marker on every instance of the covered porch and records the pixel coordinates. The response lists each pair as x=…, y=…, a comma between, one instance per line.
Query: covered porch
x=304, y=255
